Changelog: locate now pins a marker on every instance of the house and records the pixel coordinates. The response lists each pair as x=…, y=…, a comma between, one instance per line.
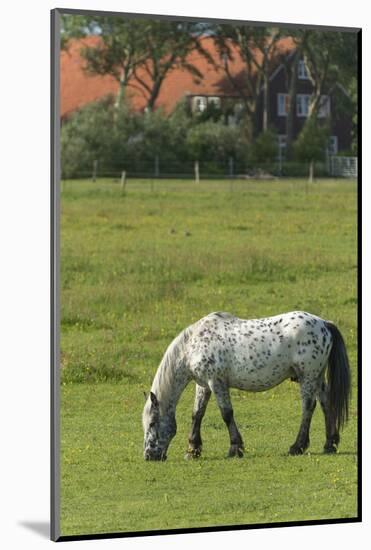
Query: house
x=215, y=89
x=331, y=109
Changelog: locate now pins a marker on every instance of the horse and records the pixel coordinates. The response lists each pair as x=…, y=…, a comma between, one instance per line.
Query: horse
x=221, y=351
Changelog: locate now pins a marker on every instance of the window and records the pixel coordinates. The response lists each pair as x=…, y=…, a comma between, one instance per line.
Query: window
x=199, y=103
x=332, y=145
x=302, y=70
x=303, y=102
x=302, y=105
x=324, y=107
x=215, y=101
x=282, y=104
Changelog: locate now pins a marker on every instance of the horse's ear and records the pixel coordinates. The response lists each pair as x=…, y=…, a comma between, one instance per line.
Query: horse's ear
x=154, y=400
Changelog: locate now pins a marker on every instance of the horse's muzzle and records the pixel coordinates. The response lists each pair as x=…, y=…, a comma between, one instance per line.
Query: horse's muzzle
x=155, y=456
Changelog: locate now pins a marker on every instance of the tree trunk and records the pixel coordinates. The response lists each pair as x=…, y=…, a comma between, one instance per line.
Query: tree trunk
x=291, y=102
x=120, y=95
x=154, y=94
x=311, y=171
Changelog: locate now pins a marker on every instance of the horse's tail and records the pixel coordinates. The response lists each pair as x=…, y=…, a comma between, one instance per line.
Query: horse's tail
x=338, y=374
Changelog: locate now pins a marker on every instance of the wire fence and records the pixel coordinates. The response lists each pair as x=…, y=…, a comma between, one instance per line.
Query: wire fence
x=209, y=169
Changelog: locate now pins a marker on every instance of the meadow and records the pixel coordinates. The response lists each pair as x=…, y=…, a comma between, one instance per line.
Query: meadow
x=139, y=266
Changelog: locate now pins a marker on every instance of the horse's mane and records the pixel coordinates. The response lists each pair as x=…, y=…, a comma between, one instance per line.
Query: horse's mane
x=172, y=360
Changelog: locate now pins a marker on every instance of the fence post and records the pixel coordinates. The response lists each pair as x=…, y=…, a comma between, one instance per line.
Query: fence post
x=123, y=182
x=95, y=170
x=197, y=172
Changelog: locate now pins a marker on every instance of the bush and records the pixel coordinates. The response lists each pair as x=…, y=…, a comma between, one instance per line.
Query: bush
x=121, y=140
x=125, y=140
x=214, y=141
x=86, y=136
x=265, y=148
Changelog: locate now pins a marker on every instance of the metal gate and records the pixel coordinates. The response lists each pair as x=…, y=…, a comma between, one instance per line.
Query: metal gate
x=346, y=167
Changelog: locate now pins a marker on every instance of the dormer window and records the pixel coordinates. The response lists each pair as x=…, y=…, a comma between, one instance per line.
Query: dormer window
x=302, y=70
x=199, y=103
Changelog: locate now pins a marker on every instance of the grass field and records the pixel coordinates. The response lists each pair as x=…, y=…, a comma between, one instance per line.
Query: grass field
x=138, y=267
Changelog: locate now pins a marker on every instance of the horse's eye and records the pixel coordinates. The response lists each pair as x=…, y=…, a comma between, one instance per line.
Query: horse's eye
x=152, y=425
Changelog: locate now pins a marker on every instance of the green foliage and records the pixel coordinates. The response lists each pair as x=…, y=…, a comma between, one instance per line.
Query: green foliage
x=127, y=46
x=353, y=90
x=312, y=142
x=212, y=113
x=86, y=136
x=265, y=148
x=216, y=141
x=130, y=281
x=125, y=140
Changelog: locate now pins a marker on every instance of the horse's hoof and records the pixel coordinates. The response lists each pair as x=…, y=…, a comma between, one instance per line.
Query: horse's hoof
x=295, y=450
x=235, y=450
x=192, y=454
x=330, y=449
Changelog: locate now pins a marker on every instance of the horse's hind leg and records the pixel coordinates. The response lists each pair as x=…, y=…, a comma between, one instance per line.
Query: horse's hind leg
x=332, y=435
x=223, y=399
x=308, y=399
x=195, y=442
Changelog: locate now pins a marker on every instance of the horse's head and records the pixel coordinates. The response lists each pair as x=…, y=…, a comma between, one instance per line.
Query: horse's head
x=159, y=429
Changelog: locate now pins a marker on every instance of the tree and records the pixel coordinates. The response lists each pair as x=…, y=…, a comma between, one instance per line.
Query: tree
x=136, y=52
x=291, y=63
x=311, y=144
x=118, y=50
x=265, y=148
x=331, y=59
x=168, y=45
x=257, y=47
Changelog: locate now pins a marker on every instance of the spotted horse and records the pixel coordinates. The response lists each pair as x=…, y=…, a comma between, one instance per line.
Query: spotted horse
x=221, y=351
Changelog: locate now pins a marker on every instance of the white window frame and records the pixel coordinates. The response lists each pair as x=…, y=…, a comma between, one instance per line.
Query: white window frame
x=282, y=104
x=199, y=103
x=302, y=105
x=302, y=70
x=325, y=106
x=333, y=146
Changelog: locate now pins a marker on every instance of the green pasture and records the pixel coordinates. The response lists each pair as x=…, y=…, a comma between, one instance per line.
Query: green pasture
x=136, y=268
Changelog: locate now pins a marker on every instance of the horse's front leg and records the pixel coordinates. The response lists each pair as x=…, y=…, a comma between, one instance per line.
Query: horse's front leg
x=195, y=442
x=221, y=391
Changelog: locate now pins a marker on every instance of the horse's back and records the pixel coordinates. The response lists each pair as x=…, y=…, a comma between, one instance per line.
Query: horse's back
x=256, y=354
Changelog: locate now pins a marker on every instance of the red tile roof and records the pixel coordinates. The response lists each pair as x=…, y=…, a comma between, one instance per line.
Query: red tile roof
x=79, y=88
